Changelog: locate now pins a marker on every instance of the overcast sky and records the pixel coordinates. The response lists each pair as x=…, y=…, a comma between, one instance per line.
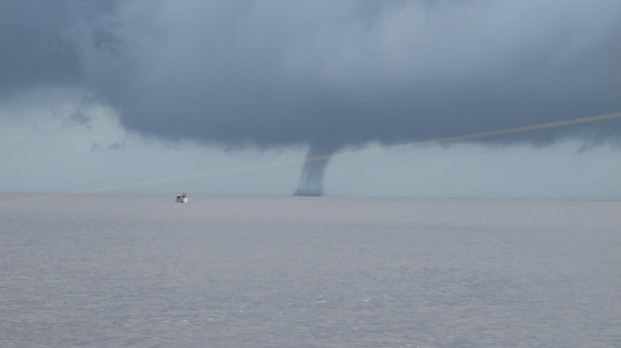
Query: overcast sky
x=100, y=93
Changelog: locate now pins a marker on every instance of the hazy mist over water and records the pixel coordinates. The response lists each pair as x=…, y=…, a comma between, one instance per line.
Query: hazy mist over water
x=110, y=270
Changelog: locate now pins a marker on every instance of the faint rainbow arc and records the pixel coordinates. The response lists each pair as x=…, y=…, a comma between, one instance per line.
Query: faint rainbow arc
x=341, y=154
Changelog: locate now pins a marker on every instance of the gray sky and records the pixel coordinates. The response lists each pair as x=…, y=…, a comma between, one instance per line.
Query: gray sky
x=134, y=86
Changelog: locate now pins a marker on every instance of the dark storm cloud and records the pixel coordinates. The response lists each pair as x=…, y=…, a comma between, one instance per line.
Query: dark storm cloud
x=324, y=73
x=34, y=47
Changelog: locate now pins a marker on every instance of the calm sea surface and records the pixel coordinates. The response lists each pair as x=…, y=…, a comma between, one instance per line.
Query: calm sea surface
x=111, y=270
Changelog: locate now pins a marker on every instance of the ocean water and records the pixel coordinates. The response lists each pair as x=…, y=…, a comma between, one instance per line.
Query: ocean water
x=119, y=270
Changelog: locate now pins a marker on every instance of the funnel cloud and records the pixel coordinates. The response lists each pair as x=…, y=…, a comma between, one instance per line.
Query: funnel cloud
x=324, y=74
x=311, y=179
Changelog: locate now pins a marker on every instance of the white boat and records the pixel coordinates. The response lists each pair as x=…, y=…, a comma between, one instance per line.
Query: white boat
x=181, y=198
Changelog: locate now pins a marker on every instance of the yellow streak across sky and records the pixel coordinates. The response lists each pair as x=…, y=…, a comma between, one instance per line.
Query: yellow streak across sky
x=349, y=153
